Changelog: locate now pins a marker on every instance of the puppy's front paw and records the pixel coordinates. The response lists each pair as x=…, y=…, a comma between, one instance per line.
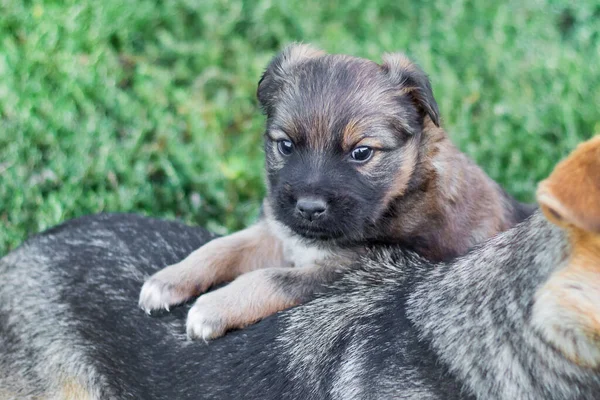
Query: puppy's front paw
x=206, y=319
x=159, y=294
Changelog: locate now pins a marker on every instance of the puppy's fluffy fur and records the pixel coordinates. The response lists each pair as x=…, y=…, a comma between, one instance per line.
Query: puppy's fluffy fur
x=362, y=143
x=515, y=318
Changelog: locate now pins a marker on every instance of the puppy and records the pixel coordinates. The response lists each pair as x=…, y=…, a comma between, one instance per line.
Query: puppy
x=567, y=307
x=355, y=157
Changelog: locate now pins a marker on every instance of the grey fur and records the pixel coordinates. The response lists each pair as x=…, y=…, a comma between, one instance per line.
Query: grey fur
x=393, y=327
x=475, y=312
x=477, y=299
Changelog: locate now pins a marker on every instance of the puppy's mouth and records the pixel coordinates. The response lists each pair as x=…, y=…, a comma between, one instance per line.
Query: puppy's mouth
x=318, y=234
x=315, y=232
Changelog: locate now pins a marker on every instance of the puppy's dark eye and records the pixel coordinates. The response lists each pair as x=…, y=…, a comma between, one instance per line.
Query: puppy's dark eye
x=361, y=153
x=285, y=147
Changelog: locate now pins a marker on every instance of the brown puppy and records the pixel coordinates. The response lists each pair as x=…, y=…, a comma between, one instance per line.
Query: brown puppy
x=355, y=157
x=567, y=309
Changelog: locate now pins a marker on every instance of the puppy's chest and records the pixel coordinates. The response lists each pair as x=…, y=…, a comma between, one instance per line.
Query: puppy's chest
x=297, y=253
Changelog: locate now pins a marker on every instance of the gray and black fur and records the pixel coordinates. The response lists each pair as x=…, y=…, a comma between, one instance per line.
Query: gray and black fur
x=392, y=327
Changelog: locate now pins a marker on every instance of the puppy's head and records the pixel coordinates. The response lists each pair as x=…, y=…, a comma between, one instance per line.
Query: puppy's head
x=570, y=197
x=342, y=137
x=568, y=306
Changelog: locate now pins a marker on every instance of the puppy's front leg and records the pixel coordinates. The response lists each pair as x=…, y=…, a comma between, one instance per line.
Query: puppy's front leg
x=220, y=260
x=252, y=297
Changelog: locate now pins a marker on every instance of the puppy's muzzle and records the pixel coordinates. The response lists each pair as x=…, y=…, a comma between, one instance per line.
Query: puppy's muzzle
x=311, y=208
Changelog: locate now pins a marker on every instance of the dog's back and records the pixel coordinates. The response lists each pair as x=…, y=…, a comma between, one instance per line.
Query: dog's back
x=70, y=329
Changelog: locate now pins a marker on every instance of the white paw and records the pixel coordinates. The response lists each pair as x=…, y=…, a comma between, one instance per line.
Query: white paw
x=157, y=294
x=204, y=320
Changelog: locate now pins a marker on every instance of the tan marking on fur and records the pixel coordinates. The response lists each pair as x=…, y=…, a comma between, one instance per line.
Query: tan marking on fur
x=584, y=268
x=253, y=297
x=373, y=142
x=460, y=180
x=223, y=259
x=71, y=389
x=570, y=300
x=67, y=389
x=409, y=160
x=352, y=134
x=246, y=300
x=407, y=89
x=569, y=303
x=291, y=130
x=277, y=135
x=456, y=206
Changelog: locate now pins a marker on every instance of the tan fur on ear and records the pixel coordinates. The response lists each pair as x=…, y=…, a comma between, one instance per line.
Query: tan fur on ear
x=571, y=194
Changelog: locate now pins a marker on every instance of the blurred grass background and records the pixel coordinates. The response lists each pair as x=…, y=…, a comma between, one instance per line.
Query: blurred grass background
x=149, y=106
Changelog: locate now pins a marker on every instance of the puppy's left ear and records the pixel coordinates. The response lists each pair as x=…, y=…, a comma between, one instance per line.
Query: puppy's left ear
x=411, y=79
x=571, y=194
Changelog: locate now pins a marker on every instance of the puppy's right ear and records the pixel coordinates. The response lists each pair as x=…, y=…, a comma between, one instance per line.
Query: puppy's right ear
x=571, y=194
x=412, y=80
x=279, y=68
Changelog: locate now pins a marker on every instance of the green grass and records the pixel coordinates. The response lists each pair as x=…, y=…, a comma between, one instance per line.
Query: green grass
x=149, y=106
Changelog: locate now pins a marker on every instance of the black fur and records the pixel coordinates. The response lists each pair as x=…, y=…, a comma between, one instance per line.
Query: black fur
x=149, y=358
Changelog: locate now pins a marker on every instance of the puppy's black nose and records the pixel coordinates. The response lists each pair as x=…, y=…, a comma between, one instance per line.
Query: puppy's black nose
x=311, y=208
